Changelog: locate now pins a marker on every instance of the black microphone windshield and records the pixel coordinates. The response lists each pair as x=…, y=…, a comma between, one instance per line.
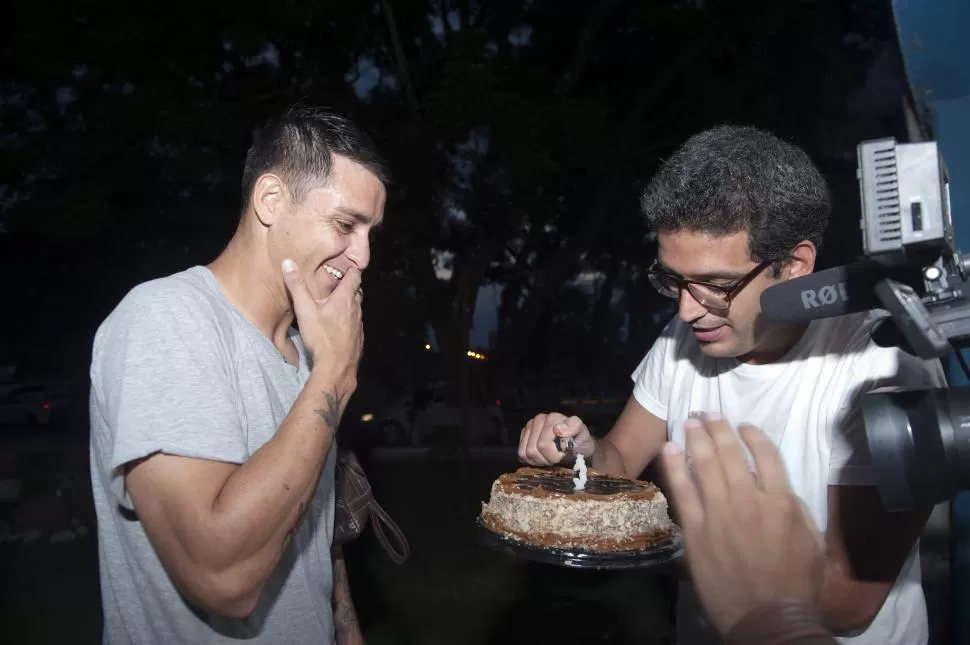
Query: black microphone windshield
x=833, y=292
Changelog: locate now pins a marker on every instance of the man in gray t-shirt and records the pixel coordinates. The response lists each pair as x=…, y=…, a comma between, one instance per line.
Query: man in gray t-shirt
x=212, y=426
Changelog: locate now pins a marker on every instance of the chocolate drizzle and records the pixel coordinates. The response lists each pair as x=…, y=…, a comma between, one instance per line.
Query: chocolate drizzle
x=558, y=481
x=595, y=485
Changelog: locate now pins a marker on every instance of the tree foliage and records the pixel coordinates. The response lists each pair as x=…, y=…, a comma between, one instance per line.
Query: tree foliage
x=519, y=133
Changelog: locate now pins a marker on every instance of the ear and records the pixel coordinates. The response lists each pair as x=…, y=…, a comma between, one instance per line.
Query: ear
x=270, y=199
x=801, y=261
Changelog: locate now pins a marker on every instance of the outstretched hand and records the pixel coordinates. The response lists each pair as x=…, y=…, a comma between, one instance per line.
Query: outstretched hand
x=749, y=541
x=332, y=329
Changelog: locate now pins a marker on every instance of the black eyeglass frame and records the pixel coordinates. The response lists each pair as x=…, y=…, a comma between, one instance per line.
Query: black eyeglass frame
x=730, y=291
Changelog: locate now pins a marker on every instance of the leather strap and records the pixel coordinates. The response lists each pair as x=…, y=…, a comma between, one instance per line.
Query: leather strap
x=786, y=622
x=382, y=524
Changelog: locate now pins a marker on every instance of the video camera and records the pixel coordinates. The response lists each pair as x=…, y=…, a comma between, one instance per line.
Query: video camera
x=919, y=439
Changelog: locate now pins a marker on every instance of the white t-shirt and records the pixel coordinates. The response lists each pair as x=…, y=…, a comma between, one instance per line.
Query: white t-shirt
x=807, y=403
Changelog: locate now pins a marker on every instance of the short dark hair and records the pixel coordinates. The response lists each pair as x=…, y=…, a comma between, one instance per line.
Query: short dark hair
x=730, y=179
x=300, y=144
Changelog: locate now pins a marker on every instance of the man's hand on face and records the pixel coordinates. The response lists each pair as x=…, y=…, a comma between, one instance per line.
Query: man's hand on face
x=537, y=443
x=331, y=328
x=749, y=540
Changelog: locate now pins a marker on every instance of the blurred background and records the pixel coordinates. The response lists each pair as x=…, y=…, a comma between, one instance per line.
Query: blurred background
x=508, y=278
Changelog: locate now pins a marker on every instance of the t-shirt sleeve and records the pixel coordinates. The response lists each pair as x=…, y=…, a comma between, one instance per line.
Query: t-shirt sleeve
x=850, y=462
x=652, y=377
x=161, y=373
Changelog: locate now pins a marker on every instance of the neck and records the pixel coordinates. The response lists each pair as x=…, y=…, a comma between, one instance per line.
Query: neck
x=254, y=287
x=776, y=344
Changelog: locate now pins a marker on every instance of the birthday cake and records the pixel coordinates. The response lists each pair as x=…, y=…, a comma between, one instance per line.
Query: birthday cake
x=542, y=507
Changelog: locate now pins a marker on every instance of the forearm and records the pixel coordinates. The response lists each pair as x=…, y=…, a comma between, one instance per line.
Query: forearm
x=847, y=605
x=261, y=504
x=346, y=627
x=606, y=458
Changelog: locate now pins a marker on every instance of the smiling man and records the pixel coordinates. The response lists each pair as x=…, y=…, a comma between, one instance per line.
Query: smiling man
x=213, y=419
x=737, y=210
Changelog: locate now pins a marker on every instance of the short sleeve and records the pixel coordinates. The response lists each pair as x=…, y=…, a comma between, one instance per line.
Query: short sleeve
x=877, y=367
x=652, y=377
x=161, y=376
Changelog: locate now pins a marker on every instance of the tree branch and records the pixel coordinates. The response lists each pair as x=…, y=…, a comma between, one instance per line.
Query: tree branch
x=549, y=280
x=594, y=22
x=401, y=59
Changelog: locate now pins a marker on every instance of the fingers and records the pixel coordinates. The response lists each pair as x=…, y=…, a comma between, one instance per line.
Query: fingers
x=771, y=470
x=740, y=481
x=349, y=285
x=708, y=472
x=545, y=441
x=536, y=443
x=568, y=427
x=533, y=456
x=681, y=487
x=524, y=441
x=297, y=286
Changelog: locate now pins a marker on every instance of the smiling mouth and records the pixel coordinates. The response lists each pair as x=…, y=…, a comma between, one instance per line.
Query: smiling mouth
x=337, y=273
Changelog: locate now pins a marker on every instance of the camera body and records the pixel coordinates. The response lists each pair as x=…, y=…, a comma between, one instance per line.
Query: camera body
x=919, y=439
x=907, y=224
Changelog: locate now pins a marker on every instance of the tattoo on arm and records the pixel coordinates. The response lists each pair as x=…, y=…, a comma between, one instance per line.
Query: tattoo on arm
x=331, y=415
x=344, y=615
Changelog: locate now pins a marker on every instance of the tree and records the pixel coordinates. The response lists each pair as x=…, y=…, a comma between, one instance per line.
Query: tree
x=519, y=134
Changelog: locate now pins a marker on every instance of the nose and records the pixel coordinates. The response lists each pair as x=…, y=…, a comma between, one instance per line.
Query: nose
x=359, y=252
x=688, y=308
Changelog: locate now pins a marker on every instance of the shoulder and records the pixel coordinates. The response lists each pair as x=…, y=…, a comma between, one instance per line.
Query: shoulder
x=184, y=290
x=181, y=294
x=674, y=349
x=849, y=340
x=182, y=307
x=845, y=334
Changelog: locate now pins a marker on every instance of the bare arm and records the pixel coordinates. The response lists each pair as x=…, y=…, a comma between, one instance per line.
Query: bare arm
x=344, y=615
x=220, y=529
x=866, y=549
x=633, y=442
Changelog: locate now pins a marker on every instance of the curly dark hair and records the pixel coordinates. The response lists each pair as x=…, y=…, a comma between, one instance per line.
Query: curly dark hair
x=730, y=179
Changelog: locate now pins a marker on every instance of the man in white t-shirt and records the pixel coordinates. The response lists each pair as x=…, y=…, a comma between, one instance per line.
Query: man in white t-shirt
x=737, y=210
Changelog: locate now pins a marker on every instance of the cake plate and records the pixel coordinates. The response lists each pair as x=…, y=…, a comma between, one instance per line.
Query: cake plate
x=661, y=554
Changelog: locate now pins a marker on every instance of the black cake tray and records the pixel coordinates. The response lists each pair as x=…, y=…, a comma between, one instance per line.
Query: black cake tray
x=663, y=553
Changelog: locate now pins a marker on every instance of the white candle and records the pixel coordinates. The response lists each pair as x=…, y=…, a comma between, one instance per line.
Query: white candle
x=580, y=467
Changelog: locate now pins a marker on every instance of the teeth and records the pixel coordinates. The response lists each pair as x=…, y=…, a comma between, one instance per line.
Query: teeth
x=334, y=272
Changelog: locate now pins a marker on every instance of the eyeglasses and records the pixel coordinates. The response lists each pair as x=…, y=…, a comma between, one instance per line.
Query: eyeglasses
x=710, y=296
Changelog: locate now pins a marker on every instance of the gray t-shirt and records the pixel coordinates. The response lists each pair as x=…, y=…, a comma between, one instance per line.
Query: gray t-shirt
x=177, y=369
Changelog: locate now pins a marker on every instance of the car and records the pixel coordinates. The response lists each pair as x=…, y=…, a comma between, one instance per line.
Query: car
x=25, y=405
x=413, y=419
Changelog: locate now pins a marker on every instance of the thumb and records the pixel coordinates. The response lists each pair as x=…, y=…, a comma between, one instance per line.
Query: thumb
x=297, y=286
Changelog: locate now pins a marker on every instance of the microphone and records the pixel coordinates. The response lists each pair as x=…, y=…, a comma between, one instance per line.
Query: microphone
x=845, y=289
